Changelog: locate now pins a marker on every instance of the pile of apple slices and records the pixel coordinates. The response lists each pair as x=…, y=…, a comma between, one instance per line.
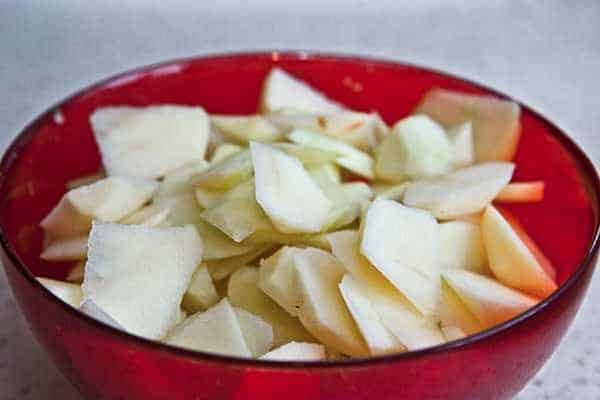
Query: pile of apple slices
x=306, y=232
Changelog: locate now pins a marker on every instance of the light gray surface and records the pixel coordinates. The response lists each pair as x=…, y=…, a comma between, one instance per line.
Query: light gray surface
x=544, y=53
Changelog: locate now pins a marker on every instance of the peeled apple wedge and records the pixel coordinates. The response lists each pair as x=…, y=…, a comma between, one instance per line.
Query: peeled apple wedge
x=396, y=313
x=225, y=150
x=125, y=274
x=325, y=174
x=217, y=330
x=282, y=90
x=201, y=293
x=178, y=181
x=226, y=173
x=453, y=312
x=465, y=191
x=150, y=142
x=310, y=157
x=403, y=244
x=257, y=333
x=151, y=215
x=522, y=192
x=243, y=292
x=496, y=122
x=491, y=302
x=90, y=308
x=461, y=246
x=277, y=278
x=452, y=333
x=108, y=200
x=222, y=268
x=511, y=261
x=461, y=138
x=416, y=148
x=70, y=293
x=238, y=218
x=391, y=192
x=349, y=158
x=349, y=199
x=71, y=249
x=247, y=128
x=297, y=351
x=286, y=192
x=323, y=311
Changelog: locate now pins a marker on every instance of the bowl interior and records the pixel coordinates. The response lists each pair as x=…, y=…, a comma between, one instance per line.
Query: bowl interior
x=59, y=146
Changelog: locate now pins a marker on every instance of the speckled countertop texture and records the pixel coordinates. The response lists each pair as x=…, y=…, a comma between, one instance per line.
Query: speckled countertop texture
x=545, y=53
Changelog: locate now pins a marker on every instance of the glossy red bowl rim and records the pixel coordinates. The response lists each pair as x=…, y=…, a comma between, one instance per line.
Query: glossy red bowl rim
x=586, y=168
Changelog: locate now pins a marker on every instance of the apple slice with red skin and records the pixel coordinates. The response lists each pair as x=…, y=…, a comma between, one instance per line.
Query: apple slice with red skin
x=522, y=192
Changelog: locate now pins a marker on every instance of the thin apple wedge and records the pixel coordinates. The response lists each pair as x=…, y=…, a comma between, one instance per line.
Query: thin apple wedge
x=511, y=260
x=452, y=333
x=70, y=293
x=90, y=308
x=244, y=129
x=107, y=200
x=453, y=312
x=349, y=200
x=461, y=137
x=71, y=249
x=286, y=192
x=416, y=148
x=201, y=293
x=277, y=278
x=243, y=292
x=226, y=173
x=391, y=192
x=222, y=268
x=258, y=334
x=225, y=150
x=496, y=122
x=152, y=141
x=323, y=311
x=297, y=351
x=461, y=246
x=153, y=215
x=217, y=330
x=488, y=300
x=325, y=174
x=522, y=192
x=459, y=193
x=126, y=269
x=178, y=181
x=393, y=240
x=309, y=157
x=282, y=90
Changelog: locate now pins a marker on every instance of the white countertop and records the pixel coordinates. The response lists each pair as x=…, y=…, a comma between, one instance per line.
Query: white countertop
x=545, y=55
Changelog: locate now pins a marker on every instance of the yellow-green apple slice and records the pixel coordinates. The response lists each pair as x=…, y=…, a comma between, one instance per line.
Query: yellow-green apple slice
x=178, y=181
x=221, y=269
x=393, y=240
x=108, y=200
x=277, y=278
x=325, y=174
x=126, y=269
x=461, y=246
x=511, y=260
x=247, y=128
x=225, y=150
x=282, y=90
x=153, y=215
x=323, y=311
x=70, y=249
x=453, y=312
x=226, y=173
x=216, y=330
x=70, y=293
x=349, y=200
x=150, y=142
x=488, y=300
x=257, y=333
x=243, y=292
x=309, y=156
x=416, y=148
x=297, y=351
x=522, y=192
x=461, y=137
x=201, y=293
x=465, y=191
x=496, y=122
x=286, y=192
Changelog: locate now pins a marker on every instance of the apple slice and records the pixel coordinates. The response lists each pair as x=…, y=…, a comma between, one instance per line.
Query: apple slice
x=461, y=137
x=286, y=192
x=297, y=351
x=217, y=330
x=461, y=246
x=522, y=192
x=126, y=269
x=349, y=200
x=70, y=293
x=275, y=237
x=257, y=333
x=391, y=192
x=496, y=122
x=282, y=90
x=225, y=174
x=378, y=338
x=71, y=249
x=392, y=240
x=462, y=192
x=247, y=128
x=243, y=292
x=277, y=278
x=416, y=148
x=511, y=260
x=108, y=200
x=323, y=311
x=309, y=157
x=152, y=215
x=325, y=174
x=201, y=293
x=349, y=158
x=178, y=181
x=491, y=302
x=225, y=150
x=454, y=313
x=85, y=180
x=93, y=310
x=152, y=141
x=453, y=333
x=222, y=268
x=396, y=313
x=76, y=273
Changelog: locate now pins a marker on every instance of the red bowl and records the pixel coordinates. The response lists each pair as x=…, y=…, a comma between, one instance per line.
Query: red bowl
x=108, y=364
